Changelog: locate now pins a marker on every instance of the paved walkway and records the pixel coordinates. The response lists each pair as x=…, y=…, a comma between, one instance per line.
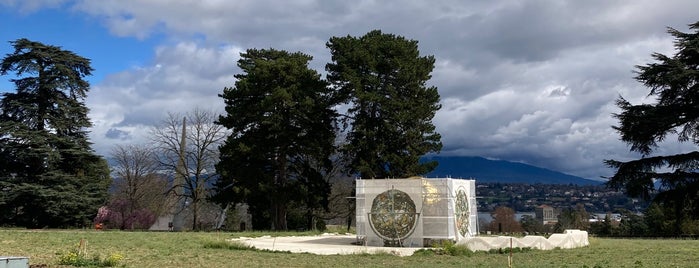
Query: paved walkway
x=326, y=244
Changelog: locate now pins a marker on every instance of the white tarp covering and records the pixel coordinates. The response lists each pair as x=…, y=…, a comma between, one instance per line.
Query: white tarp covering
x=568, y=239
x=409, y=212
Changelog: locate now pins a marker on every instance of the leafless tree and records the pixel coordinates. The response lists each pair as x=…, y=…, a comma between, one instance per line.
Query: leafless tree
x=504, y=220
x=341, y=202
x=137, y=185
x=187, y=145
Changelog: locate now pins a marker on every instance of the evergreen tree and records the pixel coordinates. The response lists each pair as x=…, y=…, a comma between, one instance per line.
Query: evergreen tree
x=49, y=176
x=383, y=79
x=531, y=225
x=674, y=81
x=572, y=218
x=632, y=225
x=282, y=123
x=659, y=220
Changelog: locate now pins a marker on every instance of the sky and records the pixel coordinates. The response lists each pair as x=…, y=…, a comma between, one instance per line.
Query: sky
x=530, y=81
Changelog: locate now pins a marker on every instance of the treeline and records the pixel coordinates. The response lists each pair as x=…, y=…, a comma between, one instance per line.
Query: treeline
x=655, y=222
x=526, y=197
x=277, y=147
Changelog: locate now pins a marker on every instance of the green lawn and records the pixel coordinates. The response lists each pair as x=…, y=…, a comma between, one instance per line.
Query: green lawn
x=163, y=249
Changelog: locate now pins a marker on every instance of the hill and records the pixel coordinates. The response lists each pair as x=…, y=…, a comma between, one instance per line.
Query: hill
x=485, y=170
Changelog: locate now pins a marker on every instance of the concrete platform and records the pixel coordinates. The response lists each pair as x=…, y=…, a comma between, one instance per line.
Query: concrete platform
x=326, y=244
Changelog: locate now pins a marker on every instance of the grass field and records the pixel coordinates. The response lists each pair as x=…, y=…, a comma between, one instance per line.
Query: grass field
x=164, y=249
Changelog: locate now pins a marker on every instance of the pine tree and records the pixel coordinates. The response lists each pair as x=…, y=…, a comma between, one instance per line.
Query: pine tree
x=674, y=81
x=383, y=79
x=282, y=123
x=49, y=176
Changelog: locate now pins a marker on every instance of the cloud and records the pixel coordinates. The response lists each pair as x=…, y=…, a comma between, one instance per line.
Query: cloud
x=187, y=75
x=28, y=6
x=114, y=133
x=530, y=81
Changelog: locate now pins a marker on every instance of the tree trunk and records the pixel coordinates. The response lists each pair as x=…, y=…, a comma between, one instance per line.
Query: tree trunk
x=280, y=201
x=195, y=208
x=279, y=216
x=309, y=220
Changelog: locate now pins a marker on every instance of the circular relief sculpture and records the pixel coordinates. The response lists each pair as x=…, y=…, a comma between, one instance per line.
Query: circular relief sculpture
x=462, y=211
x=393, y=216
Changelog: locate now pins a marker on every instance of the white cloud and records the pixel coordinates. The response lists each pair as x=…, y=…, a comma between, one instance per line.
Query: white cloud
x=530, y=81
x=28, y=6
x=180, y=78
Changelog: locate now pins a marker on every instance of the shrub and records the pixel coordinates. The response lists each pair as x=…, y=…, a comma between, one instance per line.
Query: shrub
x=118, y=215
x=74, y=258
x=447, y=247
x=78, y=257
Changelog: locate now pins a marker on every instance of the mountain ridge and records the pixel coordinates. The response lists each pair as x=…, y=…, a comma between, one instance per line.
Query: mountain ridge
x=486, y=170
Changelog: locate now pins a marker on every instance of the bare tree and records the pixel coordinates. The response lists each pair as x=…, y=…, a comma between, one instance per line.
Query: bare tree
x=187, y=145
x=504, y=220
x=341, y=202
x=139, y=191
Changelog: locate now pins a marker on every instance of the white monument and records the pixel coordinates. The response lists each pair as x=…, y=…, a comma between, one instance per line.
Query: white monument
x=412, y=212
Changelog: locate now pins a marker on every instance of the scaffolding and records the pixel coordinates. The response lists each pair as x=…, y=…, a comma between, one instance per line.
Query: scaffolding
x=413, y=212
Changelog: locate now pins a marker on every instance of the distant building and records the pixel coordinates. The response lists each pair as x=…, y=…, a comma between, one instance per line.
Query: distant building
x=599, y=217
x=239, y=219
x=546, y=214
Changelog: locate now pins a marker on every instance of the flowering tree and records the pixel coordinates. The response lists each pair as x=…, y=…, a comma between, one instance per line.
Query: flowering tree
x=118, y=215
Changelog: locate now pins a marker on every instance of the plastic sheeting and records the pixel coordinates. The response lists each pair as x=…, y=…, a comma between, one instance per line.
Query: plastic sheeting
x=410, y=212
x=566, y=240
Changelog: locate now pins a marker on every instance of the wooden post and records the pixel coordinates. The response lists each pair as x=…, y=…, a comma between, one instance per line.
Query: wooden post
x=82, y=247
x=509, y=260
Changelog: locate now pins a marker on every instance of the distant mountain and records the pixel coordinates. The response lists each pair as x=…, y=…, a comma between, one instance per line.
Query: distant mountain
x=485, y=170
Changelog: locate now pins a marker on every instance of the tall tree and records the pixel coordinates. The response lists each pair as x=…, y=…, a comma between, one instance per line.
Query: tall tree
x=193, y=165
x=282, y=122
x=383, y=79
x=49, y=175
x=674, y=81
